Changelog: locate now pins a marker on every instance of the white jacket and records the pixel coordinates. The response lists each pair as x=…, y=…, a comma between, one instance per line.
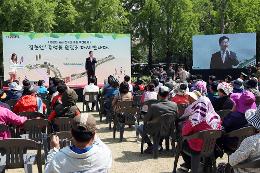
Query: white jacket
x=97, y=159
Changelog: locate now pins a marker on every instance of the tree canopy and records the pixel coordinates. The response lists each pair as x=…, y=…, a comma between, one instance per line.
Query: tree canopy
x=161, y=30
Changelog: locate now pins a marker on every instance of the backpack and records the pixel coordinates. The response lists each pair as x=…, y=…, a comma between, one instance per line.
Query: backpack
x=224, y=168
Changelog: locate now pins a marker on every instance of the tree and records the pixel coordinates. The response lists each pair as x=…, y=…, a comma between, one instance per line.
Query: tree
x=66, y=16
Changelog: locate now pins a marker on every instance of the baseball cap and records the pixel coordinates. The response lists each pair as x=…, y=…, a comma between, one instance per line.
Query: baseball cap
x=84, y=123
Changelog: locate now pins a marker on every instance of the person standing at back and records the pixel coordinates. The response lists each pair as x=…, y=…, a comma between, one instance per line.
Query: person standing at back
x=90, y=66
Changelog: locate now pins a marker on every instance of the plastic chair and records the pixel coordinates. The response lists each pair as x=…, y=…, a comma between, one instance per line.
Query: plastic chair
x=169, y=131
x=209, y=137
x=240, y=135
x=11, y=103
x=257, y=100
x=32, y=115
x=127, y=115
x=252, y=163
x=63, y=123
x=15, y=150
x=36, y=129
x=223, y=113
x=137, y=100
x=101, y=108
x=92, y=98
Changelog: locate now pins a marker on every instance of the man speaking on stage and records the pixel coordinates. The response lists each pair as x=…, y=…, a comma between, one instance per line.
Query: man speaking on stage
x=90, y=66
x=223, y=59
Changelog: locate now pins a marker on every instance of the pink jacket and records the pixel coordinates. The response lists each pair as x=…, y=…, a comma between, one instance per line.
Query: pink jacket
x=8, y=117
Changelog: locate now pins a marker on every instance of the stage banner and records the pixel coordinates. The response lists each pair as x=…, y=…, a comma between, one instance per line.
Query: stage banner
x=44, y=55
x=224, y=51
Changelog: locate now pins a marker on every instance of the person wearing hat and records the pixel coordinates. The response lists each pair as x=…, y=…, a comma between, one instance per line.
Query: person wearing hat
x=242, y=102
x=249, y=147
x=152, y=117
x=30, y=102
x=223, y=102
x=14, y=92
x=87, y=154
x=238, y=86
x=200, y=115
x=251, y=85
x=68, y=107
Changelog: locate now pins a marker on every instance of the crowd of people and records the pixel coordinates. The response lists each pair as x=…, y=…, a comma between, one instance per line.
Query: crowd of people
x=178, y=94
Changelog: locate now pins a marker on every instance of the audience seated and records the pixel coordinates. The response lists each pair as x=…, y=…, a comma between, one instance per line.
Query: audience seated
x=68, y=108
x=152, y=118
x=42, y=89
x=7, y=117
x=223, y=102
x=238, y=86
x=88, y=154
x=236, y=119
x=250, y=147
x=201, y=116
x=14, y=92
x=242, y=102
x=57, y=99
x=90, y=88
x=29, y=102
x=213, y=91
x=149, y=94
x=127, y=79
x=181, y=96
x=123, y=95
x=251, y=85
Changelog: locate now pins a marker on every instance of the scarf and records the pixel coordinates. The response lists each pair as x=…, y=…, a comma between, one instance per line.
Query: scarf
x=203, y=111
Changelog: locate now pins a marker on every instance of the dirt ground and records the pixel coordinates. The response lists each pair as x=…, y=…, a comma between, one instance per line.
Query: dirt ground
x=126, y=155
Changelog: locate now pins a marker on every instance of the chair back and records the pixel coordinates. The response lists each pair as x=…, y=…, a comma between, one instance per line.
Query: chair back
x=223, y=113
x=65, y=138
x=167, y=124
x=137, y=100
x=63, y=123
x=209, y=138
x=181, y=109
x=15, y=148
x=11, y=103
x=92, y=96
x=130, y=114
x=4, y=128
x=35, y=128
x=252, y=163
x=123, y=104
x=147, y=104
x=257, y=100
x=241, y=134
x=32, y=115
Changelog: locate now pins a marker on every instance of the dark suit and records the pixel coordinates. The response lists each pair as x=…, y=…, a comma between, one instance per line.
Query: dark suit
x=90, y=67
x=153, y=116
x=217, y=62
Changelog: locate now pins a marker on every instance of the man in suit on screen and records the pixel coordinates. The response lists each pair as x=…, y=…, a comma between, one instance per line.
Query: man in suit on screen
x=223, y=59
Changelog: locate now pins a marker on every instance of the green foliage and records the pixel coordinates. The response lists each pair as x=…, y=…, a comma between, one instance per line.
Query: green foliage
x=165, y=27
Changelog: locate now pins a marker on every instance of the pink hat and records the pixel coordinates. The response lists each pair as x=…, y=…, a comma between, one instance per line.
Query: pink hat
x=244, y=101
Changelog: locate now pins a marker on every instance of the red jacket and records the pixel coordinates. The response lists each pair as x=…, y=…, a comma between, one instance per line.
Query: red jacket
x=27, y=103
x=56, y=99
x=187, y=130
